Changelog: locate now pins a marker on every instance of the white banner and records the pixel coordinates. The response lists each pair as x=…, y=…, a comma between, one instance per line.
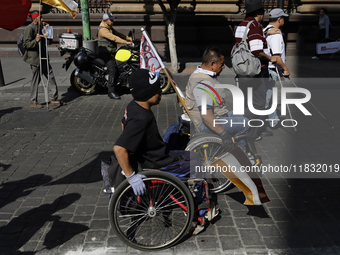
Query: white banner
x=149, y=58
x=328, y=48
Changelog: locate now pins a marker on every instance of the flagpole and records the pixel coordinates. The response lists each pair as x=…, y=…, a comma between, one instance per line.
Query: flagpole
x=170, y=79
x=181, y=99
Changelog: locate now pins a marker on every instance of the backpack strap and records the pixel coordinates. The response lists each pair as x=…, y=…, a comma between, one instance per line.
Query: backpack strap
x=265, y=31
x=245, y=34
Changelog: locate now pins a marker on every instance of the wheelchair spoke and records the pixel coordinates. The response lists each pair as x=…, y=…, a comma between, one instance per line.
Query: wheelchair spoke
x=154, y=219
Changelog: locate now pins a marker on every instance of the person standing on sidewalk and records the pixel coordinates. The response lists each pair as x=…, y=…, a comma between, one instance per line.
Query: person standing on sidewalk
x=275, y=47
x=324, y=25
x=32, y=37
x=108, y=38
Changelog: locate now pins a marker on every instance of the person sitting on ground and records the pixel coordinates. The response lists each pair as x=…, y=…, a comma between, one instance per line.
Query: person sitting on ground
x=140, y=140
x=201, y=85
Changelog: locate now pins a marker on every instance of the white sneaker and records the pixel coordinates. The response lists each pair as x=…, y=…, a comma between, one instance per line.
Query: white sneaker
x=315, y=57
x=251, y=158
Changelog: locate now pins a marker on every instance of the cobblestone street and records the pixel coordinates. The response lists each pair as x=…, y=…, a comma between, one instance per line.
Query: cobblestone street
x=51, y=193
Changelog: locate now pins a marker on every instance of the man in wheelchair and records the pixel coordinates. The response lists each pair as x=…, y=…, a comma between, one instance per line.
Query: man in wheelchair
x=201, y=87
x=140, y=138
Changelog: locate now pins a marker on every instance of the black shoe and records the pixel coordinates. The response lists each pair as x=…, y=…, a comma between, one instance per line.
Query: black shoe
x=267, y=133
x=113, y=95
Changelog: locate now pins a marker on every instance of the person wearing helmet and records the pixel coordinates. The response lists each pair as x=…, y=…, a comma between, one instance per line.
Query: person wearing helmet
x=108, y=38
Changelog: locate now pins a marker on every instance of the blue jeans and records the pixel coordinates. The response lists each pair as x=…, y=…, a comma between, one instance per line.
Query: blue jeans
x=233, y=129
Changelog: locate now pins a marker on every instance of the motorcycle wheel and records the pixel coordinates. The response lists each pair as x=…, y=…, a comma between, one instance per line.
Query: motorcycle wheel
x=165, y=81
x=82, y=86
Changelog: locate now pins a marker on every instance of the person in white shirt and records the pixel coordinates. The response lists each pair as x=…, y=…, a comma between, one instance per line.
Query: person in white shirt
x=276, y=47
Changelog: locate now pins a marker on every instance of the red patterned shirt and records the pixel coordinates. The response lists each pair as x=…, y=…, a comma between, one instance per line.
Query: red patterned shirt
x=255, y=37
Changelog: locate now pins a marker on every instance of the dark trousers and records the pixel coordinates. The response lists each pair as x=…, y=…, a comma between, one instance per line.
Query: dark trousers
x=185, y=168
x=322, y=36
x=111, y=67
x=259, y=101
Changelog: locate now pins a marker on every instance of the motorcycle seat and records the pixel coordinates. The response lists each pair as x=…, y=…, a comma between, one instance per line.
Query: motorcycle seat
x=96, y=60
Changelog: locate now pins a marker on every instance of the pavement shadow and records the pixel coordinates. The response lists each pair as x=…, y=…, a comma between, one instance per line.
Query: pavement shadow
x=70, y=95
x=22, y=188
x=15, y=81
x=20, y=230
x=253, y=210
x=88, y=173
x=312, y=216
x=9, y=110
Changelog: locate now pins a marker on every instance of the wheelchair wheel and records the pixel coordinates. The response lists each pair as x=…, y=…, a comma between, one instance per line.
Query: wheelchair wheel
x=158, y=219
x=208, y=147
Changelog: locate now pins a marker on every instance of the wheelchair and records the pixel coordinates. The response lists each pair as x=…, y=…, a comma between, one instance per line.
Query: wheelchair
x=209, y=146
x=161, y=217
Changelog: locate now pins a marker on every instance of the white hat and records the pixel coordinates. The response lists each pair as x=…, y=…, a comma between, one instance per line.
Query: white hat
x=107, y=16
x=277, y=13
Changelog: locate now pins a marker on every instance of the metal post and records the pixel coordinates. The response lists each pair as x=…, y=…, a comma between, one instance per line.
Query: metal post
x=86, y=19
x=2, y=81
x=280, y=4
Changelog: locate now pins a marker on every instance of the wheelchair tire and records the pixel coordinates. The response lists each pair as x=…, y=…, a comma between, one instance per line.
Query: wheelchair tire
x=208, y=147
x=158, y=219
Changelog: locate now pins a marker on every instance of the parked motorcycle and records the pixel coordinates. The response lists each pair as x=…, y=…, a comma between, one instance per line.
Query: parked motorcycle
x=91, y=73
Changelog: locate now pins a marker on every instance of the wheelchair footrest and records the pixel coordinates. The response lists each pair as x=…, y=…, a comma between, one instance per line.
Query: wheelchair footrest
x=194, y=231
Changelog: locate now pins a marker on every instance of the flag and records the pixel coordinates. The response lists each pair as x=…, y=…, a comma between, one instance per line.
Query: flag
x=13, y=13
x=235, y=165
x=66, y=5
x=149, y=58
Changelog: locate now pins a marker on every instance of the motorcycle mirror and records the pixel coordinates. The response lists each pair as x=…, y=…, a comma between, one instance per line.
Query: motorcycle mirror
x=130, y=34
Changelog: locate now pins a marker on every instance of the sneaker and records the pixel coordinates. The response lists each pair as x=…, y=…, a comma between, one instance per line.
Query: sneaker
x=57, y=103
x=36, y=105
x=315, y=57
x=251, y=158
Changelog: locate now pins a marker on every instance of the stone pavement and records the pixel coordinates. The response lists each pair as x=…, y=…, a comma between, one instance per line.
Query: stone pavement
x=51, y=199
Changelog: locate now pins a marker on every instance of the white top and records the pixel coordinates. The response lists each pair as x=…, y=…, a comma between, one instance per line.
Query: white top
x=276, y=45
x=324, y=23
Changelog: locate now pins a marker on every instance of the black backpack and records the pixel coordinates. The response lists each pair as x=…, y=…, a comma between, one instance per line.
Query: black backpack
x=20, y=42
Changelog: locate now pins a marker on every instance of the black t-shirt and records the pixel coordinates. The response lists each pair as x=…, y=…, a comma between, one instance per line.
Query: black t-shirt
x=142, y=139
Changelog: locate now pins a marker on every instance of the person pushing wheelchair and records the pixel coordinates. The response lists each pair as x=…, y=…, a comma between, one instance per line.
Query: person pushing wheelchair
x=202, y=87
x=140, y=140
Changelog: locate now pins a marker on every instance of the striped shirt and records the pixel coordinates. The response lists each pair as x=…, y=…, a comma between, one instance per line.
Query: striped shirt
x=255, y=38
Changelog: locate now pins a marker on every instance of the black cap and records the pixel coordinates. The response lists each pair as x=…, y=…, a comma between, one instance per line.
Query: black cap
x=253, y=5
x=144, y=84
